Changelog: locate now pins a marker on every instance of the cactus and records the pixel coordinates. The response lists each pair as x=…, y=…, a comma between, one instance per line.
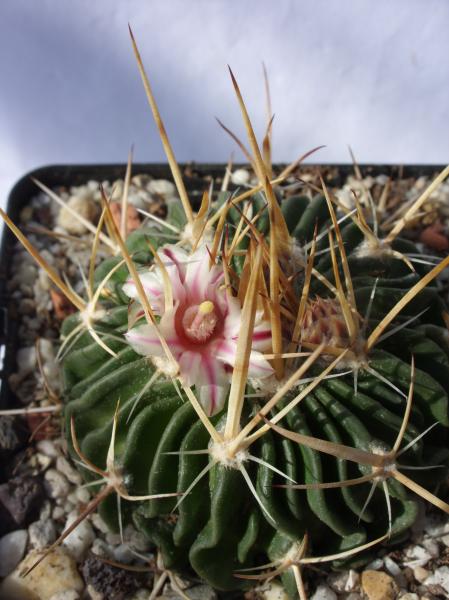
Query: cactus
x=243, y=396
x=226, y=520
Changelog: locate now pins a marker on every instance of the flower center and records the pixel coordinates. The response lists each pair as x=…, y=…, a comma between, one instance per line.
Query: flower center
x=199, y=321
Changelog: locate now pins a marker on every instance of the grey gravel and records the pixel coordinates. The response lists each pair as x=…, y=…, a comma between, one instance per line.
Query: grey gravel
x=56, y=484
x=201, y=592
x=439, y=577
x=375, y=565
x=64, y=467
x=81, y=539
x=48, y=448
x=66, y=595
x=324, y=592
x=417, y=556
x=12, y=549
x=391, y=566
x=42, y=533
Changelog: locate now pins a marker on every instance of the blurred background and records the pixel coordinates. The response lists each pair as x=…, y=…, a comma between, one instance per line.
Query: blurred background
x=374, y=75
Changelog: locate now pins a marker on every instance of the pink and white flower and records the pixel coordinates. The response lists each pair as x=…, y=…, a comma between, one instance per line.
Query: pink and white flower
x=202, y=326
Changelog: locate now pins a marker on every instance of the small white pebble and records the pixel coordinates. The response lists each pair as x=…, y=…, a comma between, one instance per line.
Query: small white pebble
x=100, y=548
x=123, y=554
x=391, y=566
x=66, y=504
x=81, y=539
x=12, y=549
x=418, y=556
x=324, y=592
x=93, y=594
x=137, y=200
x=240, y=177
x=45, y=510
x=375, y=565
x=439, y=577
x=43, y=461
x=432, y=547
x=72, y=497
x=436, y=526
x=82, y=495
x=274, y=591
x=136, y=539
x=353, y=581
x=99, y=524
x=56, y=484
x=66, y=595
x=48, y=448
x=27, y=274
x=162, y=187
x=420, y=574
x=42, y=533
x=92, y=185
x=58, y=513
x=83, y=206
x=48, y=256
x=26, y=360
x=64, y=467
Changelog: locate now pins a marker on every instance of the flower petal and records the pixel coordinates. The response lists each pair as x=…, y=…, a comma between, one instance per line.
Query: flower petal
x=259, y=367
x=233, y=318
x=212, y=385
x=225, y=351
x=189, y=366
x=145, y=341
x=200, y=276
x=174, y=256
x=152, y=285
x=262, y=336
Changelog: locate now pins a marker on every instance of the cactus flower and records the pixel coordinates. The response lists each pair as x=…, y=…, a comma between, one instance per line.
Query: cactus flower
x=201, y=327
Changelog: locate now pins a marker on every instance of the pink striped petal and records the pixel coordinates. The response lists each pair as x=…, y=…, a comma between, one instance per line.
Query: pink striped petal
x=189, y=365
x=178, y=289
x=212, y=385
x=145, y=341
x=199, y=275
x=259, y=367
x=233, y=319
x=152, y=286
x=226, y=352
x=262, y=336
x=176, y=257
x=135, y=312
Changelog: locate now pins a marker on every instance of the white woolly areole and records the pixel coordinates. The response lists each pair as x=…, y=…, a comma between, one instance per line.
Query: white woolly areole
x=91, y=313
x=222, y=452
x=368, y=249
x=188, y=237
x=166, y=366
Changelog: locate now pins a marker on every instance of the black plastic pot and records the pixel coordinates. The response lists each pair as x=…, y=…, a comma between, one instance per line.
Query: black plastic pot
x=56, y=176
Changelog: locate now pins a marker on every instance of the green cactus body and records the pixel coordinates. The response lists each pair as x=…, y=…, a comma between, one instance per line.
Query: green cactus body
x=219, y=529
